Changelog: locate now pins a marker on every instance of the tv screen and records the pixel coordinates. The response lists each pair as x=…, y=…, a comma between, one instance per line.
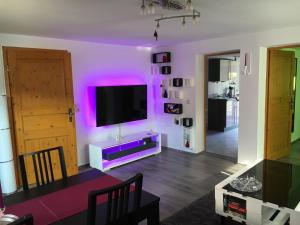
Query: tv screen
x=120, y=104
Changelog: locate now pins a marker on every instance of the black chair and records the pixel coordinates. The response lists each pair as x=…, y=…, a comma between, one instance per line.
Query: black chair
x=25, y=220
x=43, y=167
x=119, y=208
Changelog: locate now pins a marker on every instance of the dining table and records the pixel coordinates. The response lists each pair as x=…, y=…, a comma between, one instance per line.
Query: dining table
x=65, y=201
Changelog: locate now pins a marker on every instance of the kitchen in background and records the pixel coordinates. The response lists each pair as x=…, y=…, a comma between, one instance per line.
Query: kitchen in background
x=223, y=105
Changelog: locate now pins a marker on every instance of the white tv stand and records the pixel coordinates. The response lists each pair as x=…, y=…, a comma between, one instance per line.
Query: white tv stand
x=112, y=153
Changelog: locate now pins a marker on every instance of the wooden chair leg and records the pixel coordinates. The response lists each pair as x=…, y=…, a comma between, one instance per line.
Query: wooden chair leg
x=153, y=219
x=222, y=220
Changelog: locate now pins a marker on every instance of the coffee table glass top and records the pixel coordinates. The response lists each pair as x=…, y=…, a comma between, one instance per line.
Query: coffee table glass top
x=280, y=183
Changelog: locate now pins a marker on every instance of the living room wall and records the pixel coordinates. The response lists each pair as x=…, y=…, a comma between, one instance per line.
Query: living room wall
x=96, y=64
x=188, y=60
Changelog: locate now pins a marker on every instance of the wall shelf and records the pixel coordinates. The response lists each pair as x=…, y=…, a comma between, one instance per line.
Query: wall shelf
x=161, y=57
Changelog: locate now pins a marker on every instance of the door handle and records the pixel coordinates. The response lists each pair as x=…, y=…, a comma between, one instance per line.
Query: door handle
x=71, y=114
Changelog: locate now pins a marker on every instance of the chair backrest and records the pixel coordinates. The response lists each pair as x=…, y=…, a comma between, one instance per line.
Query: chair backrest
x=24, y=220
x=117, y=201
x=43, y=166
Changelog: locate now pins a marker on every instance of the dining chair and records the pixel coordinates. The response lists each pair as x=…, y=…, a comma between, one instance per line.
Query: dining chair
x=24, y=220
x=119, y=207
x=43, y=166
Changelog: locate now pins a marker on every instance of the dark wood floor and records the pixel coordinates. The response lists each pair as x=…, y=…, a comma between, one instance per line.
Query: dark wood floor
x=179, y=178
x=223, y=143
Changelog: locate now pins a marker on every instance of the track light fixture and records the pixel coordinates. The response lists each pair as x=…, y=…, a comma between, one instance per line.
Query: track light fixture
x=195, y=16
x=149, y=7
x=143, y=8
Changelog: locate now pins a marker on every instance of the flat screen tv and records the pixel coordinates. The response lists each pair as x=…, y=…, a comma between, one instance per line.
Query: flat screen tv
x=120, y=104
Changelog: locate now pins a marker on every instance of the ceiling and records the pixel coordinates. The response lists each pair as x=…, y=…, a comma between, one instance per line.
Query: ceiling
x=119, y=21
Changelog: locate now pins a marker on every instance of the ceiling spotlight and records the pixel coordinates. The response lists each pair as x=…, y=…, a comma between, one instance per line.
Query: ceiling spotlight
x=189, y=5
x=155, y=35
x=151, y=8
x=194, y=19
x=157, y=25
x=183, y=21
x=143, y=9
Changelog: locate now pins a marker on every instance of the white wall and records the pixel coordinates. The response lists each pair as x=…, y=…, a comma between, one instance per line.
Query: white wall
x=96, y=64
x=252, y=87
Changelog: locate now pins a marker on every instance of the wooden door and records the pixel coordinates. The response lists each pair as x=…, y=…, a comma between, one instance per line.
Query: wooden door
x=279, y=99
x=40, y=85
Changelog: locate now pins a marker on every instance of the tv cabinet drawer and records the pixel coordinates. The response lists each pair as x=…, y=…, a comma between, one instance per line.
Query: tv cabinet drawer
x=111, y=154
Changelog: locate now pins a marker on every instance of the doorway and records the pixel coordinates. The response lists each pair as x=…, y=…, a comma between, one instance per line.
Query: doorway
x=40, y=93
x=283, y=105
x=222, y=103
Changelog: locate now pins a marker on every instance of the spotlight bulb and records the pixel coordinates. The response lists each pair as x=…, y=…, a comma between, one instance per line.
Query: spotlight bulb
x=143, y=10
x=189, y=5
x=183, y=21
x=151, y=8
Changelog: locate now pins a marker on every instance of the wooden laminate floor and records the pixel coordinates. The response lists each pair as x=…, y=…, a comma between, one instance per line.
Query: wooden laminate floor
x=179, y=178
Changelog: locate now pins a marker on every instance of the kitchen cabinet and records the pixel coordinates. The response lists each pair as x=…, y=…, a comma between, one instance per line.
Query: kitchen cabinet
x=222, y=114
x=219, y=69
x=217, y=114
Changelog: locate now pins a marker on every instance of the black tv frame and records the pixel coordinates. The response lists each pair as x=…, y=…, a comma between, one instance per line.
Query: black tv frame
x=102, y=124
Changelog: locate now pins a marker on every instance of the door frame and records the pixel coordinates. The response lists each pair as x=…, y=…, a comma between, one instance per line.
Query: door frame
x=9, y=100
x=267, y=91
x=206, y=56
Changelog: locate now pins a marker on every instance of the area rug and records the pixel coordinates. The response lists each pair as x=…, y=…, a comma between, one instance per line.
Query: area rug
x=200, y=212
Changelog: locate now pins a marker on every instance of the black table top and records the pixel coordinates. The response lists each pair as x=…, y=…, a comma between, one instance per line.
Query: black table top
x=280, y=183
x=80, y=218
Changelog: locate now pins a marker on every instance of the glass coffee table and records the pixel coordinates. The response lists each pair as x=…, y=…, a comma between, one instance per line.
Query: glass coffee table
x=275, y=202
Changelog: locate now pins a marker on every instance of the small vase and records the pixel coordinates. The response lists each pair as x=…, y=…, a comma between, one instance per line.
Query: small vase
x=165, y=95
